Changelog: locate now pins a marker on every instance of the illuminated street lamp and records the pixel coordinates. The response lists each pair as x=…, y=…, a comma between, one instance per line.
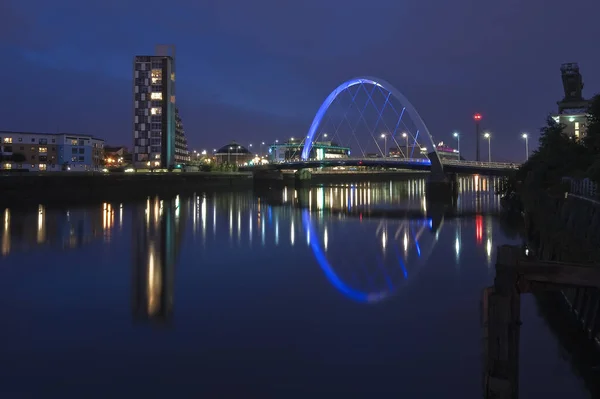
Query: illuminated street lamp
x=384, y=137
x=489, y=138
x=526, y=137
x=406, y=138
x=457, y=136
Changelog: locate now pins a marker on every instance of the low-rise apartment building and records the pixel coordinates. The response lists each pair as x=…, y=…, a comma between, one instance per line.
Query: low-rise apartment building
x=50, y=152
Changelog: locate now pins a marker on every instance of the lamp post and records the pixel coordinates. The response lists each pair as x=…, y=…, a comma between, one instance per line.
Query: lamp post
x=489, y=138
x=406, y=138
x=384, y=137
x=477, y=119
x=526, y=137
x=458, y=140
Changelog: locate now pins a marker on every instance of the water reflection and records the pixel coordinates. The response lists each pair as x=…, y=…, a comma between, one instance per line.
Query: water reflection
x=156, y=237
x=403, y=235
x=254, y=272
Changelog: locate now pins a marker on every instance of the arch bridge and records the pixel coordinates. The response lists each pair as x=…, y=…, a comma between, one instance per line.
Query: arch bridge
x=433, y=163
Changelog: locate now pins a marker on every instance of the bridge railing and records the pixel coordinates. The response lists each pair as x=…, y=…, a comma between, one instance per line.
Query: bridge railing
x=480, y=164
x=413, y=161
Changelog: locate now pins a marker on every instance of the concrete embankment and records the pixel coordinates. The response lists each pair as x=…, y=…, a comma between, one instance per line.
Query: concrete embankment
x=57, y=188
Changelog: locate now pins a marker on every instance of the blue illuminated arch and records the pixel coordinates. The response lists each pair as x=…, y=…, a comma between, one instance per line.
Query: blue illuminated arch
x=412, y=112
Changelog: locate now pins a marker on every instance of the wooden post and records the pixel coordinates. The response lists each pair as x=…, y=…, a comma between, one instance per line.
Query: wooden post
x=503, y=328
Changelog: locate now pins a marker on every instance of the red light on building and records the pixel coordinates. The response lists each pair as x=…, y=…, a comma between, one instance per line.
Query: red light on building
x=477, y=117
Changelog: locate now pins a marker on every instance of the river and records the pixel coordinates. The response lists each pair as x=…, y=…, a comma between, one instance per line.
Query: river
x=288, y=293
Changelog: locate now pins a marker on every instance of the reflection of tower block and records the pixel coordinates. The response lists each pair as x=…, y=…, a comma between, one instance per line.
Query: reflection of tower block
x=154, y=256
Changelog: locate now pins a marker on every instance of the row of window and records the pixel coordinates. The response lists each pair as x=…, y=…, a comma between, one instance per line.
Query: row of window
x=72, y=141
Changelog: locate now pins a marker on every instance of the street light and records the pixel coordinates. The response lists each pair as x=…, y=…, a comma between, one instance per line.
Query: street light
x=489, y=138
x=458, y=139
x=526, y=137
x=406, y=138
x=384, y=137
x=261, y=148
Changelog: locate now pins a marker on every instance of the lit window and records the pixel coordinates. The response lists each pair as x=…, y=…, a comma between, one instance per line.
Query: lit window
x=156, y=96
x=577, y=133
x=173, y=99
x=73, y=142
x=8, y=140
x=576, y=125
x=43, y=150
x=173, y=76
x=156, y=111
x=156, y=76
x=7, y=166
x=42, y=166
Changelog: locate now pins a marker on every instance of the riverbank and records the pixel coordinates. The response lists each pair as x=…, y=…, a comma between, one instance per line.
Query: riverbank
x=69, y=188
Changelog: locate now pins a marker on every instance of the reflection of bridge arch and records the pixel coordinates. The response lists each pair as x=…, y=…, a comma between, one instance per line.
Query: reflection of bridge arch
x=342, y=286
x=380, y=84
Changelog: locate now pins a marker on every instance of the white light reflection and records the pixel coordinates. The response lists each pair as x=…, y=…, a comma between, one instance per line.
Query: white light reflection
x=203, y=216
x=383, y=240
x=405, y=242
x=325, y=239
x=457, y=247
x=239, y=226
x=292, y=233
x=250, y=228
x=488, y=249
x=214, y=218
x=120, y=216
x=6, y=233
x=230, y=223
x=276, y=230
x=41, y=233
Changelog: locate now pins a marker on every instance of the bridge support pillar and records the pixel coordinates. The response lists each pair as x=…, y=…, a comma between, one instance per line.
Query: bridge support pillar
x=302, y=177
x=440, y=187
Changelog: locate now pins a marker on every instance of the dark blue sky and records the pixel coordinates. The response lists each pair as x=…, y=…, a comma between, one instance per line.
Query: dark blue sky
x=259, y=70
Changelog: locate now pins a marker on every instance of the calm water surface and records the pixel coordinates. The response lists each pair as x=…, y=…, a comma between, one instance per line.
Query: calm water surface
x=283, y=294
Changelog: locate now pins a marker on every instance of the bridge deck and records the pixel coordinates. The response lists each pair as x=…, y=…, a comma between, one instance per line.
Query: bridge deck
x=453, y=166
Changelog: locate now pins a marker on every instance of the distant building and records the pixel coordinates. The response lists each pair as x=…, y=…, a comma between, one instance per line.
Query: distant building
x=115, y=156
x=50, y=151
x=572, y=109
x=292, y=150
x=154, y=112
x=233, y=154
x=182, y=154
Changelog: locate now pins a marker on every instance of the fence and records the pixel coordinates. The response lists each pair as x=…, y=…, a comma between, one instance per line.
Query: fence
x=584, y=187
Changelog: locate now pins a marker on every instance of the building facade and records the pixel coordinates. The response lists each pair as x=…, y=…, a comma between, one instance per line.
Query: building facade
x=292, y=150
x=572, y=109
x=233, y=154
x=154, y=111
x=182, y=154
x=50, y=152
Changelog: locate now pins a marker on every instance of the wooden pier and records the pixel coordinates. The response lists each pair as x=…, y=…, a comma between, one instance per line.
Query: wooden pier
x=517, y=274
